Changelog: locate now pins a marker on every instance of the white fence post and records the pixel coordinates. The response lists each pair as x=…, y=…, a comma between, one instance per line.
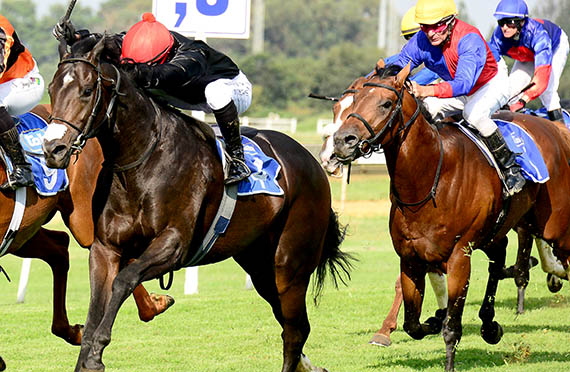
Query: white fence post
x=191, y=282
x=24, y=276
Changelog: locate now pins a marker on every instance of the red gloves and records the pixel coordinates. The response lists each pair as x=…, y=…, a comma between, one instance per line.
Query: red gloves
x=517, y=106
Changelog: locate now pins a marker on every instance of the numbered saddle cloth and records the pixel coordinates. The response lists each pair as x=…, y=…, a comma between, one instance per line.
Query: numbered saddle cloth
x=520, y=142
x=48, y=181
x=264, y=170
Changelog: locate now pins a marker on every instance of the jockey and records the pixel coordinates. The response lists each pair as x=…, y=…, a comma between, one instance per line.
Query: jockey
x=21, y=88
x=186, y=73
x=540, y=49
x=408, y=28
x=473, y=84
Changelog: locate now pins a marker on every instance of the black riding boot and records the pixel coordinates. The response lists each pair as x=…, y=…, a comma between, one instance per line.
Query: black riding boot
x=228, y=120
x=514, y=179
x=21, y=175
x=556, y=115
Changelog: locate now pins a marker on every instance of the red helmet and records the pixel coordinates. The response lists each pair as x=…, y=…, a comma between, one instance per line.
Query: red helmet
x=148, y=41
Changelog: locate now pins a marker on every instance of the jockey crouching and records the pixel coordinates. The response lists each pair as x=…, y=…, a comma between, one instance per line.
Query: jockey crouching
x=473, y=84
x=187, y=74
x=21, y=88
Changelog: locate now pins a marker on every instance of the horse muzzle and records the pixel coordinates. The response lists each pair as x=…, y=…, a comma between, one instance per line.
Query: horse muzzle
x=57, y=154
x=346, y=147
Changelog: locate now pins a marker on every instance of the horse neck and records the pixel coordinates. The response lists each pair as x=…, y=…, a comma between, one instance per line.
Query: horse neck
x=412, y=157
x=134, y=128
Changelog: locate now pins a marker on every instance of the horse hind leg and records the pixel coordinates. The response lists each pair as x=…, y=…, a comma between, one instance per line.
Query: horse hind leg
x=52, y=247
x=150, y=305
x=382, y=336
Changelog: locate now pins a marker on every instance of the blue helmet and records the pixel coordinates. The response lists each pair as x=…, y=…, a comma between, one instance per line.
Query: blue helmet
x=511, y=9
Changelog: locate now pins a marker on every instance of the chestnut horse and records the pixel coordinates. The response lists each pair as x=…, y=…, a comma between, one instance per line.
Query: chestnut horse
x=447, y=200
x=520, y=271
x=34, y=241
x=165, y=186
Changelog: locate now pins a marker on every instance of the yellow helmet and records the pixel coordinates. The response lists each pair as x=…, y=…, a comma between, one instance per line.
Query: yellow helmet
x=409, y=25
x=429, y=12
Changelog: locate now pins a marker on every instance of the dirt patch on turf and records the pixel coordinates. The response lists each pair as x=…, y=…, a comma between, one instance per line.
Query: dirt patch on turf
x=363, y=208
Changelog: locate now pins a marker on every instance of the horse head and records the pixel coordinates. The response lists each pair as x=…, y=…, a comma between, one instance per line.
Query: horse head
x=82, y=93
x=376, y=114
x=341, y=109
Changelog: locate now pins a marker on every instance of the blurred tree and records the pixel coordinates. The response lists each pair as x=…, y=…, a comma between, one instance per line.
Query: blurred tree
x=120, y=15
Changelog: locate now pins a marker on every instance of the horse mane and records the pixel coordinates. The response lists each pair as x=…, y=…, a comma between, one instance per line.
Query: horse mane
x=393, y=70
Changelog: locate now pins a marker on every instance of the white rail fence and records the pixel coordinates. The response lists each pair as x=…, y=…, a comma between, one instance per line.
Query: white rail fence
x=272, y=121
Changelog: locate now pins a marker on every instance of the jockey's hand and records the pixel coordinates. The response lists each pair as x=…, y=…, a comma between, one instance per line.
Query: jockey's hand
x=519, y=105
x=139, y=73
x=421, y=91
x=64, y=30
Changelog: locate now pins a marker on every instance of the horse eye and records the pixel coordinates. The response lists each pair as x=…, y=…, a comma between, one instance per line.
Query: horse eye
x=386, y=105
x=87, y=92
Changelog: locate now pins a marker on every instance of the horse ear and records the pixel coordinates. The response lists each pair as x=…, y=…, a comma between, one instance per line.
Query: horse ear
x=402, y=76
x=380, y=64
x=95, y=53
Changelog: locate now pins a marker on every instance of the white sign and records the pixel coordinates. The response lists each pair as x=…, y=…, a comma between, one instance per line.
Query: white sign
x=205, y=18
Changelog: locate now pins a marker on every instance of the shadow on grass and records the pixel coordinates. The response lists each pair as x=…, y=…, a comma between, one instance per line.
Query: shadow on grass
x=530, y=303
x=467, y=359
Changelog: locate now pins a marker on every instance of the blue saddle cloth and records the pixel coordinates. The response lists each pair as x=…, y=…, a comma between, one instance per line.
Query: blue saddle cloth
x=48, y=181
x=264, y=170
x=541, y=112
x=520, y=142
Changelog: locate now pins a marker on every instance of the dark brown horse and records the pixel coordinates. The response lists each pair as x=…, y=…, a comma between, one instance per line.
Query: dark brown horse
x=165, y=183
x=447, y=200
x=35, y=241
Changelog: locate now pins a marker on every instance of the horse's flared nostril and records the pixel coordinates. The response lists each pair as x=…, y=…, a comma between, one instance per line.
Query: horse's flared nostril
x=350, y=140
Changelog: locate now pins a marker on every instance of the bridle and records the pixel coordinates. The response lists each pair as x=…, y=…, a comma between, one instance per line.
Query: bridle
x=372, y=144
x=89, y=130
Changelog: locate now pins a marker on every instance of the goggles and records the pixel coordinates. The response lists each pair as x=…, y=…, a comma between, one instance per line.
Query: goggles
x=437, y=27
x=510, y=22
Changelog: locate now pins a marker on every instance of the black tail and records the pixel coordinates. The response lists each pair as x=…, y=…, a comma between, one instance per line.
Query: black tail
x=339, y=263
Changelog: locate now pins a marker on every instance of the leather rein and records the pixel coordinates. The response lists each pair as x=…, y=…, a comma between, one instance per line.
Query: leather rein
x=372, y=144
x=89, y=130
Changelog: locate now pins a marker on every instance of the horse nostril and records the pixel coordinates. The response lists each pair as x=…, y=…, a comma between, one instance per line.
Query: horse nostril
x=350, y=140
x=59, y=149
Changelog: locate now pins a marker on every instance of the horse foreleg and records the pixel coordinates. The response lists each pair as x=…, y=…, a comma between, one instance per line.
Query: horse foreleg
x=458, y=273
x=156, y=260
x=103, y=268
x=52, y=247
x=413, y=285
x=491, y=331
x=382, y=336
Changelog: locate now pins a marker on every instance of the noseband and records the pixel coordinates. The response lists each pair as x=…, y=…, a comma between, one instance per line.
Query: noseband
x=90, y=131
x=367, y=146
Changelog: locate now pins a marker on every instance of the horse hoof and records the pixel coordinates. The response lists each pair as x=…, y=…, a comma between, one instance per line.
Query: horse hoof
x=433, y=325
x=492, y=333
x=554, y=283
x=380, y=340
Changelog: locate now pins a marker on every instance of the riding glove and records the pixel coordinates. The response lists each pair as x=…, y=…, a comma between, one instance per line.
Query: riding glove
x=519, y=105
x=64, y=30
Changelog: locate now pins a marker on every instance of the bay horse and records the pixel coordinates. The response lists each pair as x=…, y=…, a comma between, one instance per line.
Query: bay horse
x=447, y=201
x=520, y=271
x=165, y=183
x=34, y=241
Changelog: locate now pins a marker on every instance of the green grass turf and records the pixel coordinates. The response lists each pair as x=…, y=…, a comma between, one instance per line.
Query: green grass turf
x=228, y=328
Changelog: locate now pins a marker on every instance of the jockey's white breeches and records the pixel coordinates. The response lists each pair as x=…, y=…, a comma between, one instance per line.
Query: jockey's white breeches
x=523, y=72
x=20, y=95
x=222, y=91
x=476, y=108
